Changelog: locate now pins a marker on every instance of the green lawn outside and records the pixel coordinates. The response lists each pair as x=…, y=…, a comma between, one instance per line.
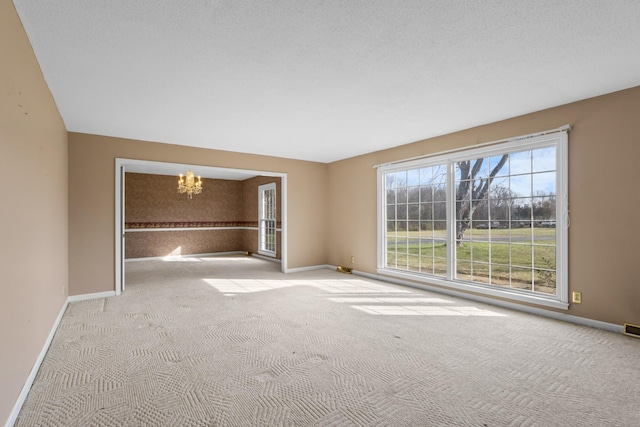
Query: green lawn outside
x=518, y=265
x=478, y=234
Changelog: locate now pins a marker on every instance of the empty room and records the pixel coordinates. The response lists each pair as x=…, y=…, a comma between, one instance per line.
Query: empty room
x=244, y=213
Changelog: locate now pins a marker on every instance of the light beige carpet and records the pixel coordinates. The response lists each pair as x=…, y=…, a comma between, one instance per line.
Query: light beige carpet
x=233, y=342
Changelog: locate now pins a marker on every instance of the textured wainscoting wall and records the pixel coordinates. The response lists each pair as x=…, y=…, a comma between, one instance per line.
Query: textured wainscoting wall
x=183, y=242
x=154, y=198
x=159, y=221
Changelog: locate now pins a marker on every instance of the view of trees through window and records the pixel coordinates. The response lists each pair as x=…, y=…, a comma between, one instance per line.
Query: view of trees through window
x=504, y=219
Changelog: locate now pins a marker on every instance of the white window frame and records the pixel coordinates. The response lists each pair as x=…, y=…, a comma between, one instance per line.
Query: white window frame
x=263, y=223
x=550, y=139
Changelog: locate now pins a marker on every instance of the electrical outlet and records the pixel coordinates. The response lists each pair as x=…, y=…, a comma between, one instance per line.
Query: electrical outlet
x=576, y=297
x=353, y=259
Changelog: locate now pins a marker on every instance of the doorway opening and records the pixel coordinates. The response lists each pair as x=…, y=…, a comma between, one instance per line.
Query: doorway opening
x=163, y=170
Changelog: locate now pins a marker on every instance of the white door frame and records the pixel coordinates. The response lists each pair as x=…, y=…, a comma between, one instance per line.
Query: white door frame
x=261, y=226
x=132, y=165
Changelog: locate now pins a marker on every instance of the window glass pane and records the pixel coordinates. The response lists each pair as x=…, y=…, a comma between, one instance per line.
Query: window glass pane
x=545, y=281
x=500, y=253
x=413, y=263
x=544, y=184
x=463, y=252
x=544, y=208
x=426, y=228
x=413, y=194
x=503, y=225
x=426, y=174
x=391, y=196
x=480, y=169
x=463, y=270
x=426, y=264
x=440, y=175
x=426, y=193
x=520, y=163
x=391, y=259
x=440, y=212
x=499, y=182
x=440, y=267
x=401, y=212
x=413, y=226
x=480, y=272
x=401, y=195
x=544, y=232
x=463, y=190
x=521, y=255
x=544, y=257
x=462, y=234
x=391, y=226
x=480, y=251
x=521, y=209
x=399, y=179
x=413, y=177
x=500, y=275
x=439, y=193
x=426, y=246
x=391, y=212
x=440, y=229
x=520, y=224
x=439, y=248
x=480, y=211
x=426, y=211
x=401, y=261
x=499, y=165
x=520, y=185
x=521, y=278
x=414, y=211
x=544, y=159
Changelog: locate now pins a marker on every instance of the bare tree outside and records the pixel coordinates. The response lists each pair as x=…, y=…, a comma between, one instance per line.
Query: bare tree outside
x=474, y=185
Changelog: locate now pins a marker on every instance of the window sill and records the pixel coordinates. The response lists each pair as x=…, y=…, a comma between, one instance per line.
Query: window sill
x=510, y=294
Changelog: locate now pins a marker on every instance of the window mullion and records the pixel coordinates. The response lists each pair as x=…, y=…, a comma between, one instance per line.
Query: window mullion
x=451, y=220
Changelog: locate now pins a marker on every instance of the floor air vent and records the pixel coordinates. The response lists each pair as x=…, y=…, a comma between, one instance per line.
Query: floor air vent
x=633, y=330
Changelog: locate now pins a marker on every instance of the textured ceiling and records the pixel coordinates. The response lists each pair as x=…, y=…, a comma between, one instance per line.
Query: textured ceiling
x=323, y=80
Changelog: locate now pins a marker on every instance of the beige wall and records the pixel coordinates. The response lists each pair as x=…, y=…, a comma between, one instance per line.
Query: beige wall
x=33, y=170
x=92, y=201
x=604, y=237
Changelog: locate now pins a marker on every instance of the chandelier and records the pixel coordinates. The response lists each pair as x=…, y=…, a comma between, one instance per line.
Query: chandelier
x=189, y=185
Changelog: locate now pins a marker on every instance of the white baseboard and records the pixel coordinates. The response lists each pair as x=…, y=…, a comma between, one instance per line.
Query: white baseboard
x=83, y=297
x=36, y=367
x=612, y=327
x=34, y=371
x=266, y=258
x=309, y=268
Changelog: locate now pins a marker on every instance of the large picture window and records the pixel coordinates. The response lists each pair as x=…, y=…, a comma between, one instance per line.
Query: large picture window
x=489, y=219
